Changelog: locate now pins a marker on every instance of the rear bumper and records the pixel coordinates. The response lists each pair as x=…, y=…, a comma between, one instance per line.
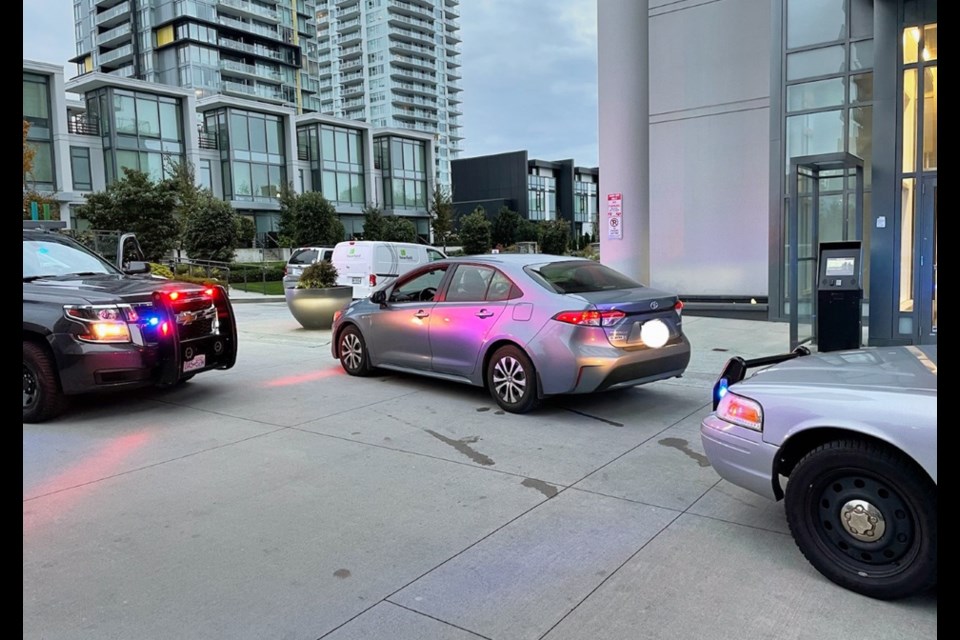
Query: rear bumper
x=739, y=455
x=290, y=282
x=604, y=368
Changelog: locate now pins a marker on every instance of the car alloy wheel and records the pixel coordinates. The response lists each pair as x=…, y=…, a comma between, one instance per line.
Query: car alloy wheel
x=512, y=380
x=42, y=397
x=31, y=390
x=353, y=352
x=865, y=517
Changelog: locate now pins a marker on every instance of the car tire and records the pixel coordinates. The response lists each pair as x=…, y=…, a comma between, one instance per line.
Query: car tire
x=43, y=398
x=512, y=380
x=353, y=352
x=866, y=518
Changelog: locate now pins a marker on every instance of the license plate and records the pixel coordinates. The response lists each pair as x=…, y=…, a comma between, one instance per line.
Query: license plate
x=356, y=280
x=199, y=361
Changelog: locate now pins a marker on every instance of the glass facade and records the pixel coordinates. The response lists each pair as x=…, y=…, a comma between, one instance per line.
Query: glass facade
x=80, y=168
x=336, y=162
x=36, y=111
x=827, y=108
x=402, y=163
x=140, y=131
x=542, y=196
x=252, y=153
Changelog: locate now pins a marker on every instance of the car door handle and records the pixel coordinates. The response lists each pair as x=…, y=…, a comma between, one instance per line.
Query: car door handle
x=421, y=314
x=483, y=313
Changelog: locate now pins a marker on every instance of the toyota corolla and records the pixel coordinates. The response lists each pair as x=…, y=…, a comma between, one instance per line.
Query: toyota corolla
x=526, y=326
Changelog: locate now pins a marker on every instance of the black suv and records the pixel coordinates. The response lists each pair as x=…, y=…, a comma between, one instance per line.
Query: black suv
x=88, y=326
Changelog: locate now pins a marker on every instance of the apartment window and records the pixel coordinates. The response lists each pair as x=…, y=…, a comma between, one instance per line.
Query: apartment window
x=205, y=174
x=336, y=163
x=542, y=194
x=403, y=163
x=80, y=167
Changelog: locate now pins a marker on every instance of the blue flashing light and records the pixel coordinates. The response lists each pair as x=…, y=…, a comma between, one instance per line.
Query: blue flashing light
x=722, y=388
x=154, y=321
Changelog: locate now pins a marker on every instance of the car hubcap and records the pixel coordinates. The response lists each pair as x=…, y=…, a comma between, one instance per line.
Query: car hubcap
x=30, y=390
x=351, y=351
x=862, y=520
x=509, y=380
x=865, y=523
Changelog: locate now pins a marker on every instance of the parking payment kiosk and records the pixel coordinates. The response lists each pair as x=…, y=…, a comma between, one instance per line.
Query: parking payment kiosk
x=839, y=294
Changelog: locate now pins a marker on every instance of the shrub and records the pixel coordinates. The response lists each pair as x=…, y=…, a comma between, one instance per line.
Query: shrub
x=320, y=275
x=161, y=270
x=475, y=232
x=554, y=237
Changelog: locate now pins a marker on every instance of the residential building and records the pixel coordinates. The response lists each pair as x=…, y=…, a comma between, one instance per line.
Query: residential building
x=725, y=125
x=255, y=49
x=243, y=150
x=536, y=189
x=396, y=64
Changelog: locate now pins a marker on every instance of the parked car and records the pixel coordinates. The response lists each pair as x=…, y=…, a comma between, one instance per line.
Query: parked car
x=300, y=259
x=855, y=435
x=525, y=326
x=368, y=264
x=88, y=326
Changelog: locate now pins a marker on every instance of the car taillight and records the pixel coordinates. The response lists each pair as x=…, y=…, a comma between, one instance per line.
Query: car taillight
x=678, y=307
x=373, y=279
x=592, y=318
x=741, y=411
x=286, y=271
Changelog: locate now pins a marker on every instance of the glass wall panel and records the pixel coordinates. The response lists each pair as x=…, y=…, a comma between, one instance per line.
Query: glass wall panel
x=907, y=230
x=930, y=118
x=818, y=62
x=861, y=87
x=148, y=118
x=815, y=21
x=909, y=120
x=815, y=95
x=814, y=133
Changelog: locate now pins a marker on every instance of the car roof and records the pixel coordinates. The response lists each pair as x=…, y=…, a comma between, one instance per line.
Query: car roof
x=522, y=259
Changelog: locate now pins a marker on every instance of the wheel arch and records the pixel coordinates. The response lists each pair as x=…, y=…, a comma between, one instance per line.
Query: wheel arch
x=340, y=330
x=488, y=355
x=800, y=444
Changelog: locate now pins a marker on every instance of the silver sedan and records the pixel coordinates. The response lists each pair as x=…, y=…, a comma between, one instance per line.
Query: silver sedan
x=525, y=326
x=855, y=435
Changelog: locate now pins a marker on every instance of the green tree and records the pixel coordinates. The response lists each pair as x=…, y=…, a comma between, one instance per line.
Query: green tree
x=210, y=233
x=506, y=227
x=528, y=231
x=554, y=237
x=441, y=208
x=475, y=232
x=308, y=219
x=373, y=223
x=246, y=231
x=398, y=229
x=136, y=204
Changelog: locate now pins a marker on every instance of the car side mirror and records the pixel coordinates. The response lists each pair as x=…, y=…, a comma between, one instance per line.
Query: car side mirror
x=379, y=297
x=135, y=267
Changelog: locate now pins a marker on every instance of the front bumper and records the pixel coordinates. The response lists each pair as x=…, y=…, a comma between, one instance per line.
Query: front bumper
x=739, y=455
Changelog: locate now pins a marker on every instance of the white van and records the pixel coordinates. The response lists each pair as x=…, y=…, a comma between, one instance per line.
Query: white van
x=368, y=264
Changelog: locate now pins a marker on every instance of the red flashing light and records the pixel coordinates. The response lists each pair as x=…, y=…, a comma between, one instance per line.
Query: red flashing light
x=173, y=295
x=208, y=292
x=165, y=328
x=679, y=305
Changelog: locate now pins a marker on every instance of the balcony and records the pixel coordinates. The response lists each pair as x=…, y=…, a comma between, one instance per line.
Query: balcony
x=353, y=64
x=410, y=34
x=401, y=99
x=259, y=92
x=415, y=114
x=454, y=49
x=252, y=49
x=348, y=25
x=415, y=62
x=239, y=68
x=248, y=10
x=353, y=90
x=424, y=25
x=418, y=127
x=112, y=37
x=121, y=54
x=248, y=27
x=83, y=126
x=351, y=52
x=349, y=78
x=404, y=73
x=124, y=72
x=429, y=52
x=412, y=10
x=355, y=102
x=414, y=87
x=113, y=17
x=207, y=140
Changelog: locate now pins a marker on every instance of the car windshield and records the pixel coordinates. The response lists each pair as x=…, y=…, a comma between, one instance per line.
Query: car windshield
x=52, y=257
x=304, y=256
x=582, y=276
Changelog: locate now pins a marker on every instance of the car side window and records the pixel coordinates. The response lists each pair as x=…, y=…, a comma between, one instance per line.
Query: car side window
x=501, y=288
x=421, y=287
x=433, y=254
x=469, y=283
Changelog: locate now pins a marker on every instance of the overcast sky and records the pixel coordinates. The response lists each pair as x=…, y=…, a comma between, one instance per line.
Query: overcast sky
x=529, y=72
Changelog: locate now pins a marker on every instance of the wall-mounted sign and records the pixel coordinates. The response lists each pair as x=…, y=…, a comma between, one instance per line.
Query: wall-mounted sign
x=615, y=216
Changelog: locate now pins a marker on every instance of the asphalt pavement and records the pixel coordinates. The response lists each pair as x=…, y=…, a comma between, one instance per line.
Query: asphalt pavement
x=285, y=499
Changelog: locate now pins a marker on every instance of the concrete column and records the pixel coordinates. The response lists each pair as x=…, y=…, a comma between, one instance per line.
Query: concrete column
x=624, y=114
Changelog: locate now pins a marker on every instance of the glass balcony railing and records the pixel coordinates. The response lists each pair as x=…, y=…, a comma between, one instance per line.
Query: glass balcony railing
x=250, y=8
x=111, y=15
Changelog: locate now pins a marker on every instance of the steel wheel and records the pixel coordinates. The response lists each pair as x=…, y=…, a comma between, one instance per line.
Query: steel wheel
x=865, y=517
x=353, y=352
x=42, y=397
x=511, y=379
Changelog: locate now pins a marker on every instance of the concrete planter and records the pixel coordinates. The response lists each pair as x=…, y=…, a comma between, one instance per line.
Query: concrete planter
x=313, y=308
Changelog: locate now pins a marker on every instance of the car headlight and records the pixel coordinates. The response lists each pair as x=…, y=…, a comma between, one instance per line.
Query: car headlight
x=102, y=323
x=740, y=411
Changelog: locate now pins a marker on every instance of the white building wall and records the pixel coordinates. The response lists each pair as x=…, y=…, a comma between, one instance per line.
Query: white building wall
x=709, y=142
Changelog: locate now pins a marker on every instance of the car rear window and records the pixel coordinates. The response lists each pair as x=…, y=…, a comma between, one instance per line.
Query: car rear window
x=581, y=276
x=303, y=256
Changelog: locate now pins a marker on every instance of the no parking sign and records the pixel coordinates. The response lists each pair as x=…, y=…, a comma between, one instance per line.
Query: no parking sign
x=615, y=216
